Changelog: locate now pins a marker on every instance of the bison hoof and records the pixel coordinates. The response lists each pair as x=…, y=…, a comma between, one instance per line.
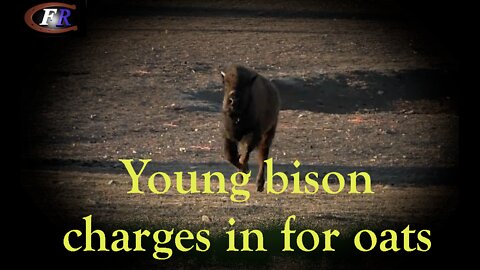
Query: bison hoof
x=260, y=188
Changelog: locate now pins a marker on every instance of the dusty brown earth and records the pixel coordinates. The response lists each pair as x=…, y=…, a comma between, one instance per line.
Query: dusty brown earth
x=362, y=90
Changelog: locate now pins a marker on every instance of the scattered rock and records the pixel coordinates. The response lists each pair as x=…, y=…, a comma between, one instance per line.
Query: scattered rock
x=206, y=219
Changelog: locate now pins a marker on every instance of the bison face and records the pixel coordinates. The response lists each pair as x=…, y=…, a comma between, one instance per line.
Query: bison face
x=237, y=91
x=235, y=101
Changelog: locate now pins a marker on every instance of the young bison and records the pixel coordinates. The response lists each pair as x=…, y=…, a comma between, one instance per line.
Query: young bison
x=250, y=114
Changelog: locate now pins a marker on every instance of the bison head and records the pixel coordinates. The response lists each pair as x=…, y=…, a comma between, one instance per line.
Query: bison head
x=237, y=87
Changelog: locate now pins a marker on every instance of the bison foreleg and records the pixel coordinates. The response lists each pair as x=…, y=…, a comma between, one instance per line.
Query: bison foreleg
x=263, y=150
x=250, y=141
x=231, y=152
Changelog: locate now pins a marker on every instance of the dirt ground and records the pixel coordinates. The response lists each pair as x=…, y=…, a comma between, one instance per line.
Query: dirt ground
x=362, y=90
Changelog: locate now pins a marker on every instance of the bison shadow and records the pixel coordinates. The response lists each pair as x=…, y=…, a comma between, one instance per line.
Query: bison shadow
x=357, y=91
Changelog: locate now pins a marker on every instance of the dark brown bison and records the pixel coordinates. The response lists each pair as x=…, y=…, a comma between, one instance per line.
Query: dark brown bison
x=250, y=114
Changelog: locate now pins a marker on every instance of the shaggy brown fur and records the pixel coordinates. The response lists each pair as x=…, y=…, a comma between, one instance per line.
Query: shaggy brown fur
x=250, y=114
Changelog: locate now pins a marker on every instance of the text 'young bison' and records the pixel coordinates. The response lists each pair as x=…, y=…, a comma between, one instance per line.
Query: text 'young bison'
x=250, y=114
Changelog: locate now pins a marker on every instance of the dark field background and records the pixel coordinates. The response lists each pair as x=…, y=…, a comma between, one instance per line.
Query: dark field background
x=366, y=85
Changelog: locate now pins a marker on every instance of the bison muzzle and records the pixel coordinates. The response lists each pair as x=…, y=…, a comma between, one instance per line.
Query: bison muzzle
x=250, y=115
